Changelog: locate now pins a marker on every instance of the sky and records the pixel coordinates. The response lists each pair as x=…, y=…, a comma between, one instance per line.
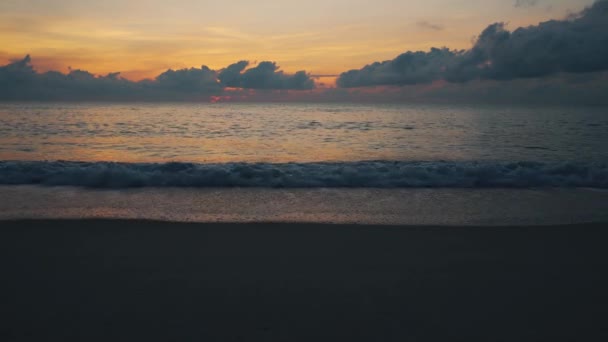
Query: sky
x=143, y=38
x=507, y=51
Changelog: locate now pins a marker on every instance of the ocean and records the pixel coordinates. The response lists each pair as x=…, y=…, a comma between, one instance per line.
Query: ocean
x=389, y=163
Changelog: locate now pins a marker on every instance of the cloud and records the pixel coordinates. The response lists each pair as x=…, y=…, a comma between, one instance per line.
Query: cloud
x=19, y=81
x=578, y=44
x=430, y=26
x=189, y=79
x=526, y=3
x=231, y=75
x=408, y=68
x=266, y=75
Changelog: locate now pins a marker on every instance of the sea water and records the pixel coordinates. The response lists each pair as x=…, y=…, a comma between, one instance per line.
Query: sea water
x=315, y=162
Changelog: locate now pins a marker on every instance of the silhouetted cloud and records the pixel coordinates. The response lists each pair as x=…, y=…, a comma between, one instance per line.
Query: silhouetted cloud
x=201, y=80
x=265, y=75
x=231, y=75
x=430, y=26
x=408, y=68
x=19, y=81
x=574, y=45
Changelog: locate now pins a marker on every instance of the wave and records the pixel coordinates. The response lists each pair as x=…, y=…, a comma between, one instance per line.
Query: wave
x=381, y=174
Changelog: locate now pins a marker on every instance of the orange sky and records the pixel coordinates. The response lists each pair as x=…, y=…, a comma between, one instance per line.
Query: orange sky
x=142, y=38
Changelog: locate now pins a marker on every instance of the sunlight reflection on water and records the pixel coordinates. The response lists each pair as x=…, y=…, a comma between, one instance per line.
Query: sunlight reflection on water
x=298, y=132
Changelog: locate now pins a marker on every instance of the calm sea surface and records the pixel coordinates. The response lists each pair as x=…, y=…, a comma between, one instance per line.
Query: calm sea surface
x=277, y=133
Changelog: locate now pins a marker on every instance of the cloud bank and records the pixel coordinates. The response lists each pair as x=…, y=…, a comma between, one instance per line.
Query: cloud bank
x=578, y=44
x=20, y=82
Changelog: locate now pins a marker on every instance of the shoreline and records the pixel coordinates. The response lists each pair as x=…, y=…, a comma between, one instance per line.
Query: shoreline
x=303, y=224
x=124, y=280
x=414, y=207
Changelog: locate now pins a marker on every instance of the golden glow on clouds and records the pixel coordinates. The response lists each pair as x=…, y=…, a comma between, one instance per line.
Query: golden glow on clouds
x=144, y=38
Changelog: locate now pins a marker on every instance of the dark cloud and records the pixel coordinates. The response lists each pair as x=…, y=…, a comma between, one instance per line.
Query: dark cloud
x=19, y=81
x=526, y=3
x=203, y=80
x=430, y=26
x=577, y=44
x=265, y=75
x=408, y=68
x=231, y=75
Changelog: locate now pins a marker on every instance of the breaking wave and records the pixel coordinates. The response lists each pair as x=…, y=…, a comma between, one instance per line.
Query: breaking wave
x=381, y=174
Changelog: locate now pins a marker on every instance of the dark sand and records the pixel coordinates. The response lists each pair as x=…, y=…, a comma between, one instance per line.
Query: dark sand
x=154, y=281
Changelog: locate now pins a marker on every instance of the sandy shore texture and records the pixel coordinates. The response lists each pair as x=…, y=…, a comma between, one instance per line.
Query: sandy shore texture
x=105, y=280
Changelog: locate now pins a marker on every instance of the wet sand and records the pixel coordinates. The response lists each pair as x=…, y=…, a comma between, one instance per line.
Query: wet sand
x=121, y=280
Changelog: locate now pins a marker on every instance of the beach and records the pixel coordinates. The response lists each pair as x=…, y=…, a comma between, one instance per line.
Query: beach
x=127, y=280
